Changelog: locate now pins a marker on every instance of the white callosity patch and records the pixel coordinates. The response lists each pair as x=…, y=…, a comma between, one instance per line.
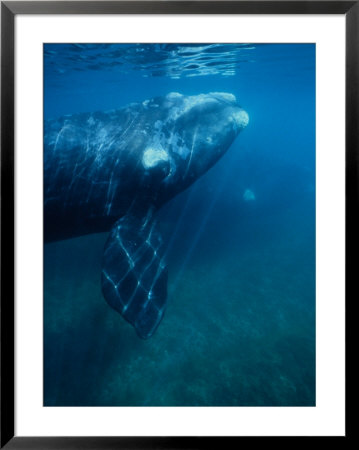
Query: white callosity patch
x=174, y=140
x=182, y=105
x=179, y=105
x=154, y=155
x=188, y=103
x=241, y=119
x=230, y=98
x=179, y=147
x=173, y=95
x=155, y=151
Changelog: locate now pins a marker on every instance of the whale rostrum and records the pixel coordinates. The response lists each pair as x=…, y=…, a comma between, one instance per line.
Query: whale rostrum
x=111, y=171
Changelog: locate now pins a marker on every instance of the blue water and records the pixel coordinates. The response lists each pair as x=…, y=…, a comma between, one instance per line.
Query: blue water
x=239, y=329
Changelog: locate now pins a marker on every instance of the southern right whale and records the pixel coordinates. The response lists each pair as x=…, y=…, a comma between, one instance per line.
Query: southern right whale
x=113, y=170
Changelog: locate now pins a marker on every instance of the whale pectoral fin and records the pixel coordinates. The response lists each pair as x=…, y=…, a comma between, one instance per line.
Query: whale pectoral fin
x=134, y=275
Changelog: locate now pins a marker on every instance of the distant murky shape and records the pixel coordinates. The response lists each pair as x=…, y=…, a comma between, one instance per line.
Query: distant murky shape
x=249, y=195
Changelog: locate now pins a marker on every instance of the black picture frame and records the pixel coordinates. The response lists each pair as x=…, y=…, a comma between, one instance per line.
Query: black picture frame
x=9, y=9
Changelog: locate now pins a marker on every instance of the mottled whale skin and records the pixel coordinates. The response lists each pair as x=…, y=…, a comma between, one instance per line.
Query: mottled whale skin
x=111, y=171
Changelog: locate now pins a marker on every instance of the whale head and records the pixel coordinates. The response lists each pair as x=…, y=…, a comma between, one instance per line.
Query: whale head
x=189, y=135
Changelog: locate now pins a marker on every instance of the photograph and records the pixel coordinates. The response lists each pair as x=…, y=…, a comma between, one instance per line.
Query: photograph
x=179, y=224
